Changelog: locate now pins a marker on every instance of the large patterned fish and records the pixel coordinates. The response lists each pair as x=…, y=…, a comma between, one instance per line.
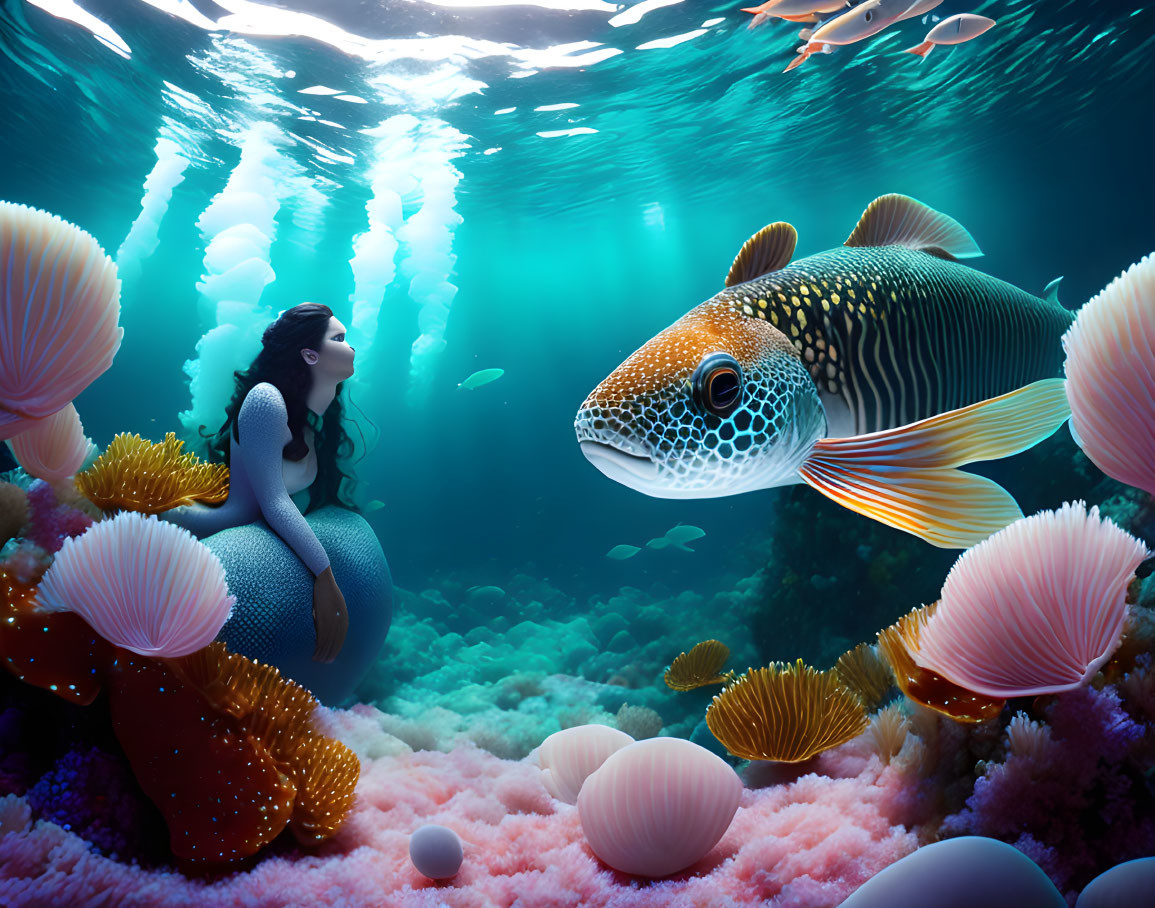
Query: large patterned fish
x=870, y=372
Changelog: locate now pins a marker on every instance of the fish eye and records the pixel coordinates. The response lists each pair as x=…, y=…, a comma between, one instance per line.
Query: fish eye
x=869, y=15
x=717, y=384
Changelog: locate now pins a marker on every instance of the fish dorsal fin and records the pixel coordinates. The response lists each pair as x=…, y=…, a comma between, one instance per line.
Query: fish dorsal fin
x=899, y=220
x=1051, y=293
x=767, y=250
x=906, y=477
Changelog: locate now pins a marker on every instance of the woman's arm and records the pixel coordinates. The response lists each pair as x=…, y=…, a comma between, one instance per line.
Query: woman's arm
x=263, y=423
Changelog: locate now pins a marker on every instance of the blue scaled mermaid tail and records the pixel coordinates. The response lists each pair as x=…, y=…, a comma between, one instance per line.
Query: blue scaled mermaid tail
x=273, y=619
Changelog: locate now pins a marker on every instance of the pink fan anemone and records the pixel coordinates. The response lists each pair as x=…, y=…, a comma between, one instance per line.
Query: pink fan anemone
x=58, y=315
x=1036, y=608
x=142, y=584
x=1111, y=377
x=52, y=448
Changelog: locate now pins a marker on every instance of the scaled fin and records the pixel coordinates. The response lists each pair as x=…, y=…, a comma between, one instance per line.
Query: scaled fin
x=899, y=220
x=905, y=477
x=767, y=250
x=1051, y=292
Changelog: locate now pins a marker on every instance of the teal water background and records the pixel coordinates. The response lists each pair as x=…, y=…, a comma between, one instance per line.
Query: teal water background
x=572, y=249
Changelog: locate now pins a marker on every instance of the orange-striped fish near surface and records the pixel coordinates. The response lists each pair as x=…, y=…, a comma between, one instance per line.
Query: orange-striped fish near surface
x=870, y=372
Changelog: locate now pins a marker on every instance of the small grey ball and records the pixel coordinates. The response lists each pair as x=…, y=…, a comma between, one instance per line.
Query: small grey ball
x=436, y=852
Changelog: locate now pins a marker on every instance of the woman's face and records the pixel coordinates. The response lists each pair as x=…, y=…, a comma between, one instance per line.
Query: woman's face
x=334, y=359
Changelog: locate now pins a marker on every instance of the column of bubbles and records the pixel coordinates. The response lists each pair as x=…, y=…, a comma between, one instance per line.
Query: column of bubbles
x=413, y=175
x=374, y=249
x=428, y=234
x=142, y=237
x=238, y=228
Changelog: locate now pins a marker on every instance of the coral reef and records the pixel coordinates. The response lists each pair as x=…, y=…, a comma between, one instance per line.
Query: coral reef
x=810, y=843
x=1090, y=805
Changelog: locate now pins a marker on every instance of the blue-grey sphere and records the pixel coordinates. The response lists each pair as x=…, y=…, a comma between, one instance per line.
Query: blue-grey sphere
x=436, y=852
x=1123, y=886
x=272, y=621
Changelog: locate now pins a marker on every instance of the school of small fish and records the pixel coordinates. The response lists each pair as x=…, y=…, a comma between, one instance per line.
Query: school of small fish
x=836, y=23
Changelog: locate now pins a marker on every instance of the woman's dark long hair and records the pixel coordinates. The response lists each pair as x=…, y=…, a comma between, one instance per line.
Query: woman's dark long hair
x=280, y=364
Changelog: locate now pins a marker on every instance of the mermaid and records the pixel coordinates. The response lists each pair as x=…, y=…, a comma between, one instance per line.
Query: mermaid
x=283, y=435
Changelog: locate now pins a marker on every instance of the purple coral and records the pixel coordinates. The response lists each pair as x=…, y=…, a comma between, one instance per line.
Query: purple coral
x=92, y=793
x=1077, y=806
x=51, y=523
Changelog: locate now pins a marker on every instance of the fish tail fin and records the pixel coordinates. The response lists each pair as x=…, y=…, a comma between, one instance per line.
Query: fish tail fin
x=798, y=60
x=921, y=49
x=906, y=477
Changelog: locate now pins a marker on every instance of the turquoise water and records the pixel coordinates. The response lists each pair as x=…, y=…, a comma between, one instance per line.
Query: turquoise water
x=572, y=249
x=541, y=188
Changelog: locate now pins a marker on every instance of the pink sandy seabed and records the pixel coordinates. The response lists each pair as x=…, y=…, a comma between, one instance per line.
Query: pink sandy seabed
x=802, y=845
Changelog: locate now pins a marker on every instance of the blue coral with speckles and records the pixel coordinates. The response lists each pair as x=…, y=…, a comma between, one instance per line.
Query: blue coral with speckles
x=273, y=618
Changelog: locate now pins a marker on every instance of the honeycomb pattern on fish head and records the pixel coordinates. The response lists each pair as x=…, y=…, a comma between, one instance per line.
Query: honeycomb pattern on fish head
x=717, y=404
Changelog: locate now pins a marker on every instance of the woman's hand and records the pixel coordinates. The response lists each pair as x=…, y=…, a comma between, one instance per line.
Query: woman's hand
x=330, y=617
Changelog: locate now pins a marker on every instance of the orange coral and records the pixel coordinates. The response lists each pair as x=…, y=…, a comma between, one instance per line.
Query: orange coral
x=785, y=713
x=54, y=650
x=699, y=667
x=136, y=475
x=224, y=746
x=277, y=716
x=898, y=642
x=865, y=673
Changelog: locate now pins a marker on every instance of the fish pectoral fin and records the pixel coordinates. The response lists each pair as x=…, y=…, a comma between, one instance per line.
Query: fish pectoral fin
x=905, y=477
x=899, y=220
x=767, y=250
x=987, y=430
x=947, y=508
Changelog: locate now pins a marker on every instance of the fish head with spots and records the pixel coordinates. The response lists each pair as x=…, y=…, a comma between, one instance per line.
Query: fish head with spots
x=717, y=404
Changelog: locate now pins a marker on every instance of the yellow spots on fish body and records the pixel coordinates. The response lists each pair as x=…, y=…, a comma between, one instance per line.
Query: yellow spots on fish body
x=746, y=309
x=794, y=332
x=804, y=290
x=825, y=305
x=774, y=318
x=761, y=303
x=870, y=295
x=795, y=301
x=850, y=290
x=808, y=354
x=801, y=319
x=835, y=298
x=893, y=298
x=781, y=296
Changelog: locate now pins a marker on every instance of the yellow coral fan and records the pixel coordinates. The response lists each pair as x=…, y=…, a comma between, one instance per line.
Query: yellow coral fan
x=785, y=713
x=699, y=667
x=136, y=475
x=865, y=673
x=898, y=641
x=278, y=713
